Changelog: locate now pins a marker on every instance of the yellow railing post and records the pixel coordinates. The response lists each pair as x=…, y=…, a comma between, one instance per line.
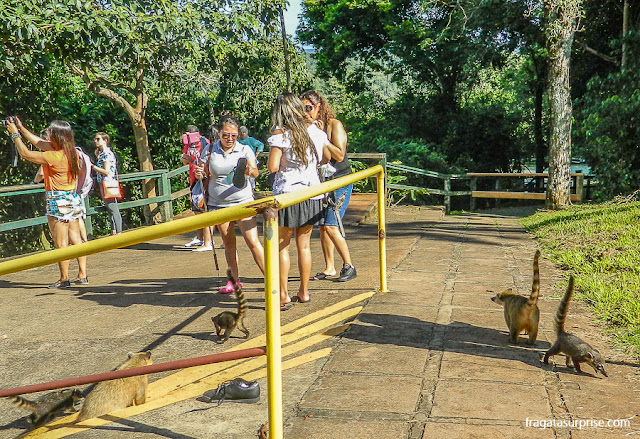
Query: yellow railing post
x=272, y=305
x=382, y=232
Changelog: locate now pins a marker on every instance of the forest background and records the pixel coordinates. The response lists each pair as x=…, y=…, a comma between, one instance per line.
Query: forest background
x=448, y=86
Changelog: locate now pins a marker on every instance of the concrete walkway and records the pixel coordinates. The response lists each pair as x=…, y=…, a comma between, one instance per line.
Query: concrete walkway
x=429, y=359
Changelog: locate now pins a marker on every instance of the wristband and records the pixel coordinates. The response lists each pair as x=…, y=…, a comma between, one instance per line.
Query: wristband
x=15, y=136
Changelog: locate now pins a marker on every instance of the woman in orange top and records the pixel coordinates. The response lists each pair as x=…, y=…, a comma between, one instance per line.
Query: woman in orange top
x=60, y=165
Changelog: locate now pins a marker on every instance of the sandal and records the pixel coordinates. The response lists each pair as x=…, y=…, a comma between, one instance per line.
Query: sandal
x=299, y=300
x=320, y=276
x=285, y=307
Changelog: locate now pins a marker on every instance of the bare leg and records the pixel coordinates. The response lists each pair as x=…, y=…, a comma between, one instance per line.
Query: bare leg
x=60, y=234
x=303, y=239
x=340, y=244
x=228, y=234
x=75, y=237
x=249, y=229
x=285, y=238
x=327, y=252
x=206, y=236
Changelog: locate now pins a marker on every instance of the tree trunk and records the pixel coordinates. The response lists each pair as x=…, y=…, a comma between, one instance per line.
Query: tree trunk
x=151, y=212
x=624, y=61
x=560, y=30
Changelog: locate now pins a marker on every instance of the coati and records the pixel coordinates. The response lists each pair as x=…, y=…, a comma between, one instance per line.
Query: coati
x=48, y=406
x=521, y=313
x=574, y=349
x=228, y=320
x=108, y=396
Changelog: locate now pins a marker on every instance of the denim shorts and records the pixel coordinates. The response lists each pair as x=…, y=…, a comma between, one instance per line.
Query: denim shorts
x=330, y=217
x=64, y=205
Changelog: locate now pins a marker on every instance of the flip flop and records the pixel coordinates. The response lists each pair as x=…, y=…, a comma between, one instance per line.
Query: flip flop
x=319, y=276
x=299, y=300
x=286, y=307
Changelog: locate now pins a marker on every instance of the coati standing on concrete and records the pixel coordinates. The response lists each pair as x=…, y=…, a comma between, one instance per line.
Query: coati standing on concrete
x=48, y=406
x=108, y=396
x=574, y=349
x=521, y=313
x=228, y=320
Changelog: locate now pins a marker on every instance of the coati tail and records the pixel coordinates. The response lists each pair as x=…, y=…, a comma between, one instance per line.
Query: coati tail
x=22, y=402
x=242, y=301
x=535, y=287
x=561, y=314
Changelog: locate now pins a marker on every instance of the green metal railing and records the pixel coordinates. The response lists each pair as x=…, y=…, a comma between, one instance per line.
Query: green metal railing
x=164, y=197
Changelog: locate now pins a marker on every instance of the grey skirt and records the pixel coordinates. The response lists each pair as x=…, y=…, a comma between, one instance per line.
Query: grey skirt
x=306, y=213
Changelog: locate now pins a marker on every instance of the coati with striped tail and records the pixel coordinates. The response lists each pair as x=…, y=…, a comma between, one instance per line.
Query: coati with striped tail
x=228, y=320
x=574, y=349
x=522, y=313
x=48, y=406
x=112, y=395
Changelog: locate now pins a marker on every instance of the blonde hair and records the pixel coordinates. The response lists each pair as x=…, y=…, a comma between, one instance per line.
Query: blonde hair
x=288, y=115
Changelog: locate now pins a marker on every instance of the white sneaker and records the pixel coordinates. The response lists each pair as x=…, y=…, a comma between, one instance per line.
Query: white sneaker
x=205, y=248
x=195, y=242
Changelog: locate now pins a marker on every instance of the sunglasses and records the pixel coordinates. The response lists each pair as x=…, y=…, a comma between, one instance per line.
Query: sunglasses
x=308, y=108
x=97, y=138
x=229, y=136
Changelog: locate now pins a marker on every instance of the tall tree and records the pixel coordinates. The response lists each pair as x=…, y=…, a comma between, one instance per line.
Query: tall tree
x=118, y=47
x=561, y=21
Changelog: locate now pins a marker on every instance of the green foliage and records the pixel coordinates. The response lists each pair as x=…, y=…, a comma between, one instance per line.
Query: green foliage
x=608, y=132
x=600, y=245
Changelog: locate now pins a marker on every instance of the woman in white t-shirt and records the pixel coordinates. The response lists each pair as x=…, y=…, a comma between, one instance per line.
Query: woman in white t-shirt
x=296, y=148
x=221, y=159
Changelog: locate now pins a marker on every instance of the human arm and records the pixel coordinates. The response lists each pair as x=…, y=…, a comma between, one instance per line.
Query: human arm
x=275, y=155
x=39, y=178
x=258, y=145
x=102, y=170
x=36, y=157
x=38, y=142
x=338, y=138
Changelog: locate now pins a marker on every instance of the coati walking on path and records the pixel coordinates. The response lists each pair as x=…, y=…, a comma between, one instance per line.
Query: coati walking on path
x=521, y=313
x=108, y=396
x=228, y=320
x=575, y=350
x=48, y=406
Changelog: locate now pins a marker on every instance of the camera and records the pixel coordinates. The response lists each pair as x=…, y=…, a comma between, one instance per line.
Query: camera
x=7, y=121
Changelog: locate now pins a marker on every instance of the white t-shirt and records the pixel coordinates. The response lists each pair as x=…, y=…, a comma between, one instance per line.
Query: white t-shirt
x=221, y=191
x=292, y=175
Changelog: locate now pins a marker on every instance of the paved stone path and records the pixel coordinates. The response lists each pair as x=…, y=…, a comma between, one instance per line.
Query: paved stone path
x=429, y=359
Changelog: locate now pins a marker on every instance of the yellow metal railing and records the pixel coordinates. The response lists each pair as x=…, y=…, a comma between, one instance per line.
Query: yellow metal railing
x=266, y=206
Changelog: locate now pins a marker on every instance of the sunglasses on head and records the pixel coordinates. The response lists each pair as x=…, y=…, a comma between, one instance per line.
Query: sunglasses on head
x=229, y=136
x=308, y=108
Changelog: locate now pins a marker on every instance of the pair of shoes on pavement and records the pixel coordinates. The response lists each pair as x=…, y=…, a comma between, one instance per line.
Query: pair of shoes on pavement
x=348, y=272
x=195, y=242
x=236, y=390
x=229, y=288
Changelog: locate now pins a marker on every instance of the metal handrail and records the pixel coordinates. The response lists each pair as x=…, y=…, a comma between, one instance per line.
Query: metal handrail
x=267, y=206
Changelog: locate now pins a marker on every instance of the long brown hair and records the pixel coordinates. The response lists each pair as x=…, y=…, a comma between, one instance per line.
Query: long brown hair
x=288, y=115
x=61, y=138
x=325, y=113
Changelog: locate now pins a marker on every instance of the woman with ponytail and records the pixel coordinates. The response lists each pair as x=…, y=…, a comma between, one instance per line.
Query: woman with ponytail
x=61, y=166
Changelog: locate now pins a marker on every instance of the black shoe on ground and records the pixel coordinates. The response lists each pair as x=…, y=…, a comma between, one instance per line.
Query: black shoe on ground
x=348, y=272
x=236, y=390
x=63, y=284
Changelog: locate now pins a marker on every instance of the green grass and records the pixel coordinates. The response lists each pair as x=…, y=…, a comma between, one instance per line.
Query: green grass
x=600, y=245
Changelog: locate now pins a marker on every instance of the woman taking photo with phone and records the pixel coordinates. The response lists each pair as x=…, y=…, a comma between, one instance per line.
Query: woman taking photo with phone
x=60, y=166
